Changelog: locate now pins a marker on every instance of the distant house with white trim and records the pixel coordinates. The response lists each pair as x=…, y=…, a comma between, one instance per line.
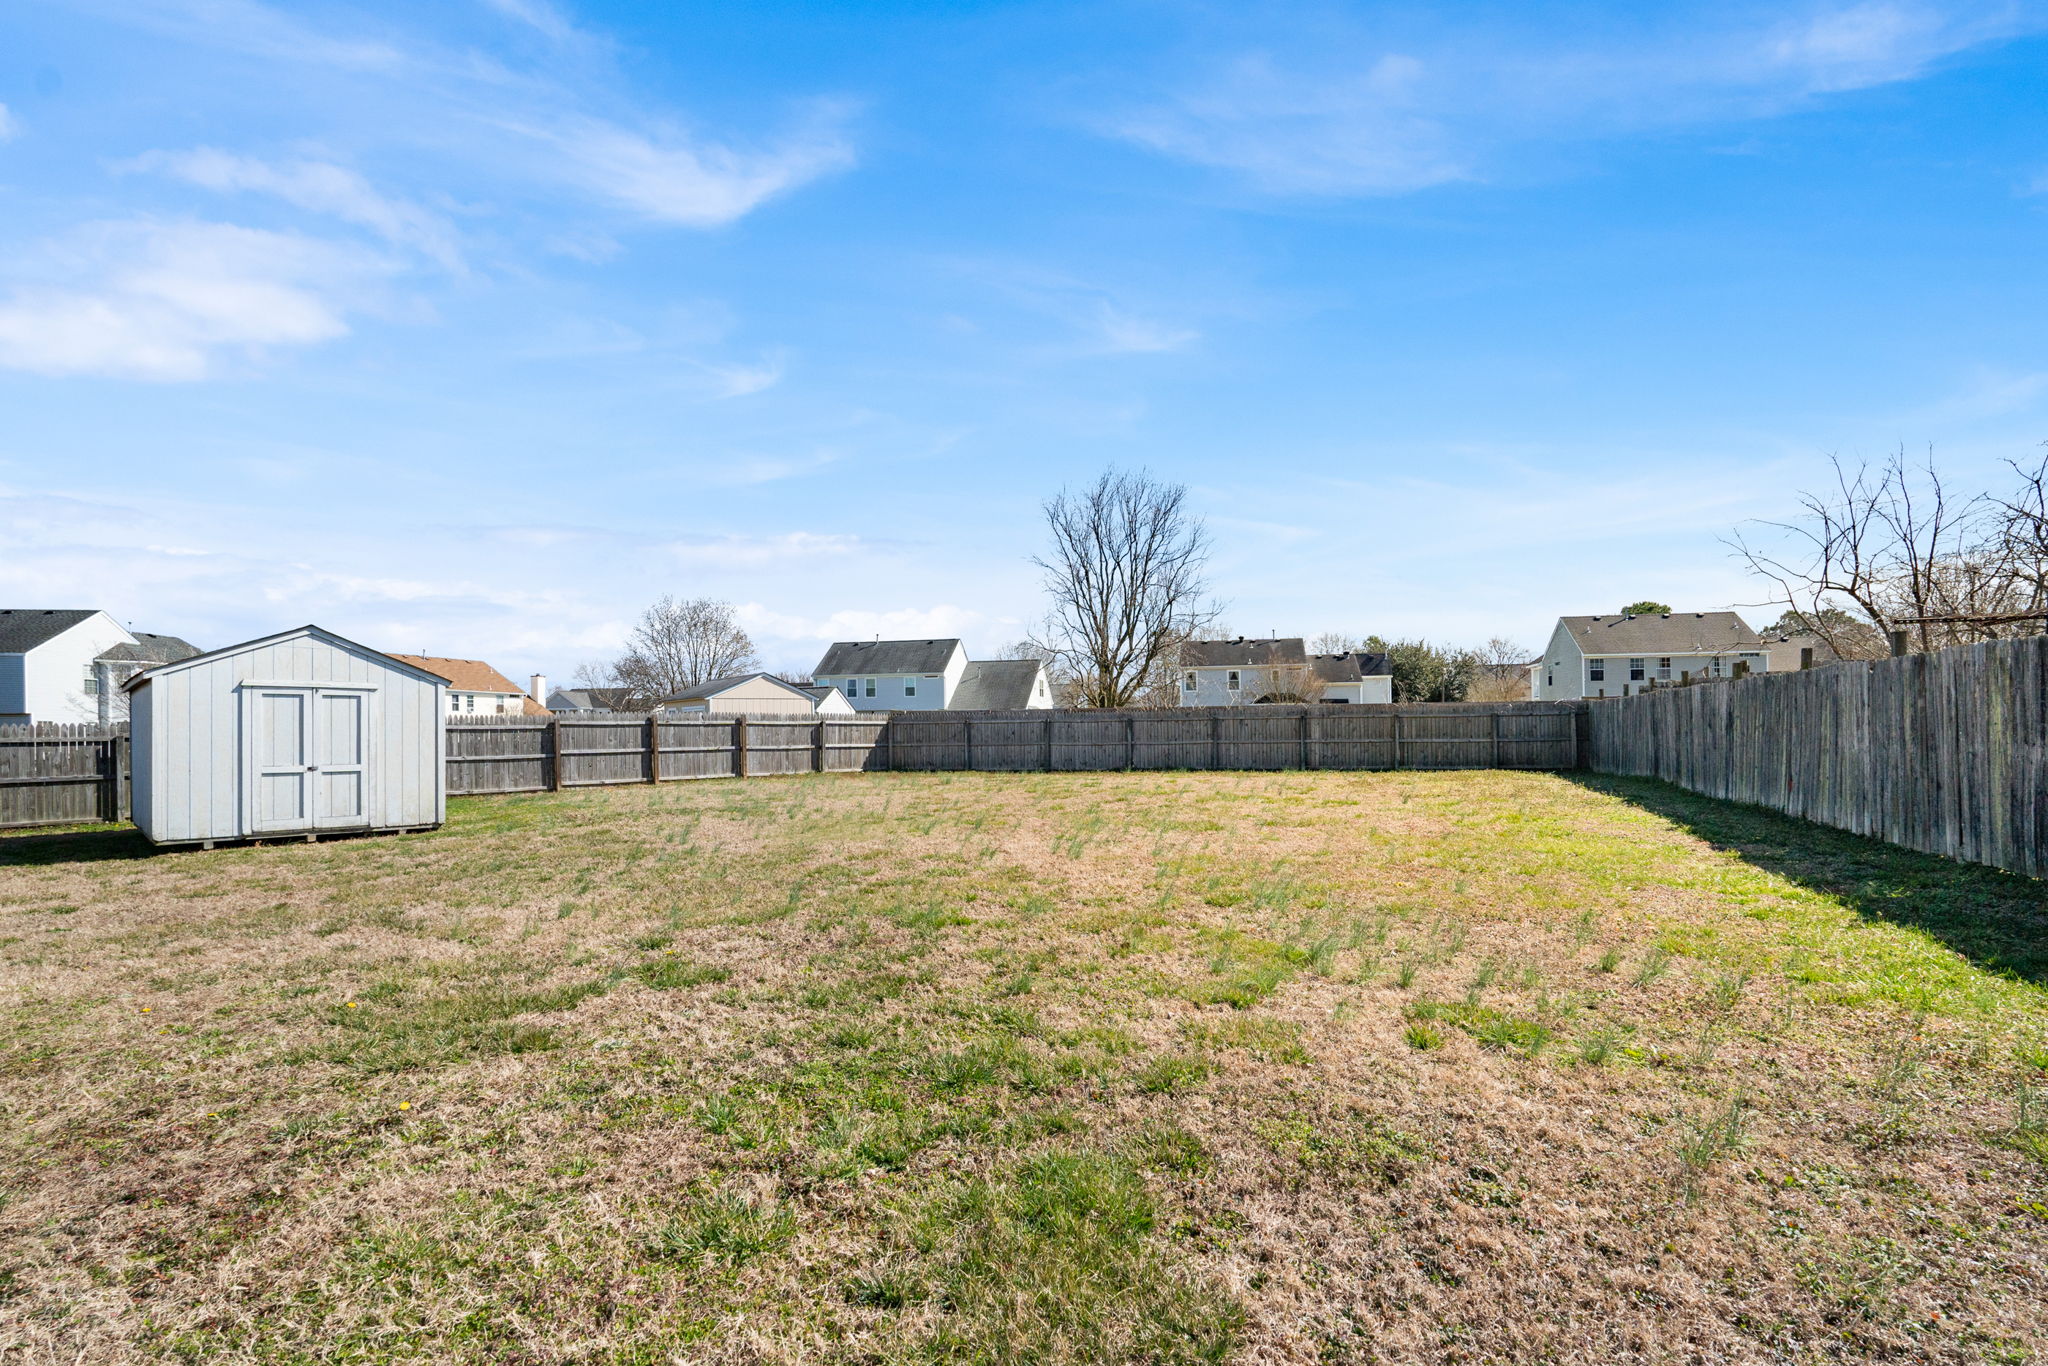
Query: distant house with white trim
x=929, y=675
x=753, y=694
x=67, y=665
x=475, y=688
x=1617, y=656
x=1230, y=673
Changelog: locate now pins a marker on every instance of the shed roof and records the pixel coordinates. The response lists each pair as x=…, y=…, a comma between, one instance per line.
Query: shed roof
x=22, y=629
x=996, y=685
x=1243, y=653
x=712, y=687
x=888, y=656
x=342, y=642
x=1665, y=633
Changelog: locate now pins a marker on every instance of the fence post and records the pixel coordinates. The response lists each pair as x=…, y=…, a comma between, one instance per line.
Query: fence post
x=1307, y=741
x=555, y=754
x=124, y=765
x=1397, y=739
x=110, y=782
x=1130, y=741
x=818, y=746
x=967, y=732
x=1496, y=739
x=654, y=747
x=739, y=748
x=1215, y=741
x=1048, y=742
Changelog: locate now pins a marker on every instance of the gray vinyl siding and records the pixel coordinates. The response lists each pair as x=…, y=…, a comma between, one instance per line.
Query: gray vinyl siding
x=188, y=755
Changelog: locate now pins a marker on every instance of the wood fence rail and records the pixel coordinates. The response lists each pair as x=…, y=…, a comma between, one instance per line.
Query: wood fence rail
x=1946, y=752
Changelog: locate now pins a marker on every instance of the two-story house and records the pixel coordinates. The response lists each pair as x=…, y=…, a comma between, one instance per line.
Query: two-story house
x=477, y=689
x=1616, y=656
x=929, y=675
x=1229, y=673
x=67, y=665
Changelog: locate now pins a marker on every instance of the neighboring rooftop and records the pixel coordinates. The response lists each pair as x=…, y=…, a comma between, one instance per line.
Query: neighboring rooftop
x=712, y=687
x=22, y=629
x=996, y=685
x=1242, y=653
x=150, y=648
x=464, y=675
x=590, y=699
x=1666, y=633
x=888, y=656
x=1351, y=667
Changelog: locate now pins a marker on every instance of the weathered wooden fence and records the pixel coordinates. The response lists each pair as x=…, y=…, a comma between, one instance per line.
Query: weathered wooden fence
x=1946, y=752
x=1274, y=736
x=53, y=775
x=544, y=754
x=63, y=774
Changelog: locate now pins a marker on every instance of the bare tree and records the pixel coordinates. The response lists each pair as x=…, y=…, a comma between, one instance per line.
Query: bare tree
x=1125, y=577
x=1333, y=643
x=1500, y=672
x=675, y=646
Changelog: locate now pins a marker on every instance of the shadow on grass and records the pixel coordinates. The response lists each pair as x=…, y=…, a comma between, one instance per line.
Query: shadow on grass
x=30, y=848
x=1998, y=920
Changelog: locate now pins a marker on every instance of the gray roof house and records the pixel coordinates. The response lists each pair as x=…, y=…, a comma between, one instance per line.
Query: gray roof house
x=590, y=699
x=1614, y=656
x=929, y=675
x=67, y=665
x=1229, y=673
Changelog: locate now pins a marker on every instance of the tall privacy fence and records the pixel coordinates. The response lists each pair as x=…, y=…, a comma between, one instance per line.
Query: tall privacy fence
x=63, y=774
x=1946, y=752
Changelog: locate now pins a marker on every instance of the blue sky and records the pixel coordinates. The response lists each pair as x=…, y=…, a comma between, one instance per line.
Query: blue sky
x=470, y=328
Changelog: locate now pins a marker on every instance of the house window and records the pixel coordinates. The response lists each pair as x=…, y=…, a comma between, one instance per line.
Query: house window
x=1233, y=684
x=470, y=705
x=910, y=687
x=853, y=687
x=1635, y=670
x=92, y=681
x=1664, y=667
x=1187, y=684
x=871, y=687
x=1596, y=669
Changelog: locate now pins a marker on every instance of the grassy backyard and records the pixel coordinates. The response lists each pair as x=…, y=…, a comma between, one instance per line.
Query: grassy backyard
x=1303, y=1067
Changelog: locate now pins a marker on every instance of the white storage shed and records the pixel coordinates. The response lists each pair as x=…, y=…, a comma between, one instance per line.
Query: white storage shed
x=298, y=734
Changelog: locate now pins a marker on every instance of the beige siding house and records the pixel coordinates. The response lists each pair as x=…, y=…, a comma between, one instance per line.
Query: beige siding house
x=756, y=694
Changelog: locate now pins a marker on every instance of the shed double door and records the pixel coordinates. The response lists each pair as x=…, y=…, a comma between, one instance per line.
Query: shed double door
x=308, y=759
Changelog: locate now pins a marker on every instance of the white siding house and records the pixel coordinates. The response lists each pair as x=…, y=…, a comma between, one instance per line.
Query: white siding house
x=66, y=664
x=1230, y=673
x=893, y=675
x=1616, y=656
x=298, y=734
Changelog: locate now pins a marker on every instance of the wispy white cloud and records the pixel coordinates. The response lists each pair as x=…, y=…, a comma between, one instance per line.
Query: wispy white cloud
x=152, y=300
x=8, y=125
x=737, y=380
x=541, y=17
x=316, y=186
x=904, y=623
x=757, y=552
x=1121, y=332
x=672, y=177
x=1422, y=108
x=257, y=30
